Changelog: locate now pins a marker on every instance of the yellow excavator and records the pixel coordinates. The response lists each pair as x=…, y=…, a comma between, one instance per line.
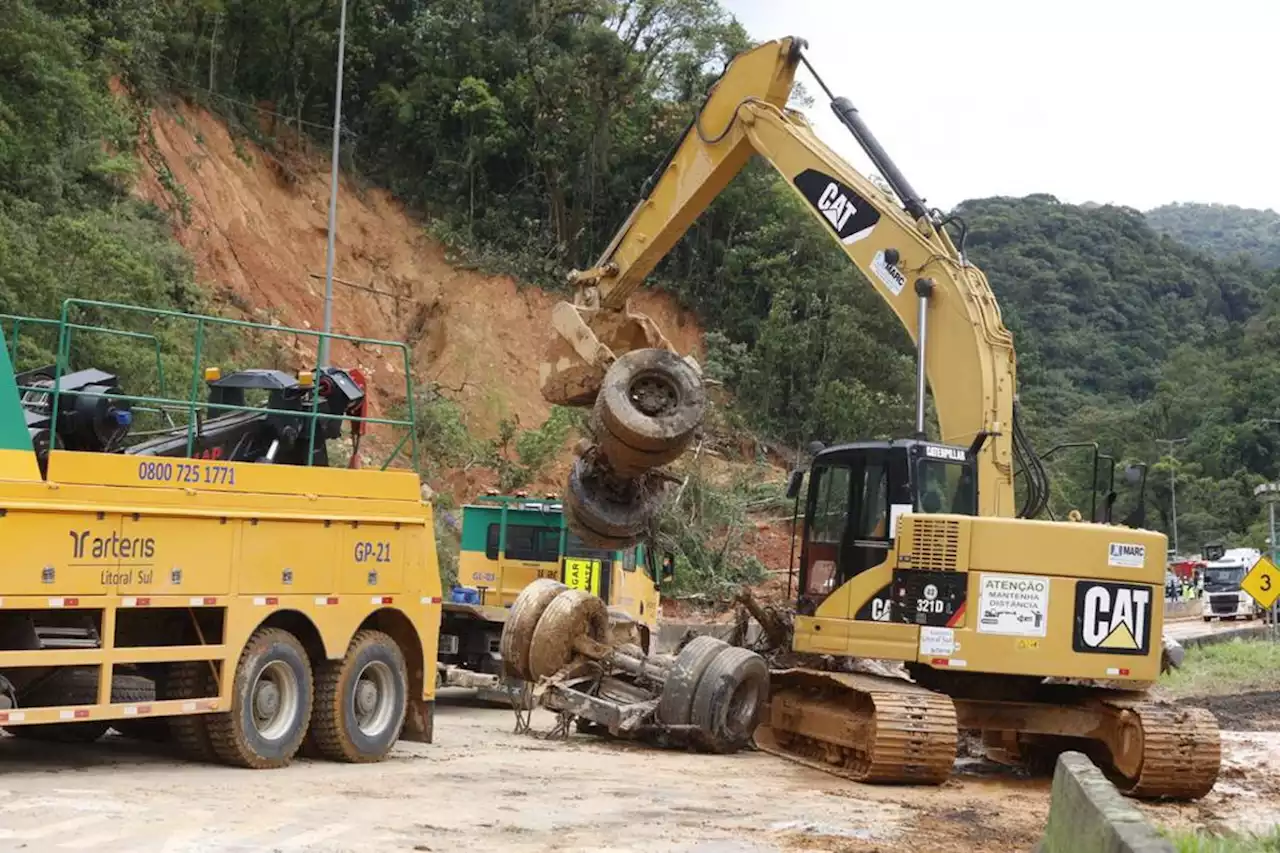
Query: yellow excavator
x=1041, y=635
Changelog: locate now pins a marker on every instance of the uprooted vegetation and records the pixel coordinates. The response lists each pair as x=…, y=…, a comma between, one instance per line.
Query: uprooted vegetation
x=708, y=523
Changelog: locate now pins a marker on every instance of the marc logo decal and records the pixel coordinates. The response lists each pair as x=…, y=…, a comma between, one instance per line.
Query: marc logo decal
x=1112, y=618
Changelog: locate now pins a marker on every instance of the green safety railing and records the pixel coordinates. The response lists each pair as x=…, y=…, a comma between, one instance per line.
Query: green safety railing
x=192, y=404
x=18, y=321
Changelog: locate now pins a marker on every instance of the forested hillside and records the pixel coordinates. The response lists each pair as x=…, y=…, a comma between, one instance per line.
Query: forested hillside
x=1129, y=338
x=523, y=131
x=1222, y=230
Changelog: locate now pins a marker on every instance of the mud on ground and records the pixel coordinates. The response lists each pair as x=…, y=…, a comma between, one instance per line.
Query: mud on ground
x=481, y=787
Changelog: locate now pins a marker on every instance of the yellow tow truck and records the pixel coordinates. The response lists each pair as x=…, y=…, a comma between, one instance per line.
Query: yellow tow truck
x=208, y=580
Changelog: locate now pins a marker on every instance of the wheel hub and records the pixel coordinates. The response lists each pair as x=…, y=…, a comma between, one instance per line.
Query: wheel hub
x=266, y=702
x=366, y=696
x=654, y=395
x=276, y=698
x=374, y=699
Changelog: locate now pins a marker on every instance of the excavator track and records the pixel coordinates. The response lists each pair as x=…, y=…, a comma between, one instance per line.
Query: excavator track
x=863, y=727
x=1162, y=751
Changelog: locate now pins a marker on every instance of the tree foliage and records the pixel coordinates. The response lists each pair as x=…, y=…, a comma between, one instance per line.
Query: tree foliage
x=1158, y=352
x=1222, y=230
x=524, y=130
x=68, y=226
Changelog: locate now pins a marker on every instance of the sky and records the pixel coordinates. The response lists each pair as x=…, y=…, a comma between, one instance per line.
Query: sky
x=1132, y=102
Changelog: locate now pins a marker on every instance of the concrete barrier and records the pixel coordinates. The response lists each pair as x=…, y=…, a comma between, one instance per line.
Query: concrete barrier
x=1182, y=609
x=1255, y=631
x=1088, y=815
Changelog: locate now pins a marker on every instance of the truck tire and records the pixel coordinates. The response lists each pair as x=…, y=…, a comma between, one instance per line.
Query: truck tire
x=602, y=517
x=80, y=687
x=517, y=633
x=360, y=701
x=730, y=696
x=189, y=733
x=652, y=400
x=675, y=708
x=271, y=701
x=626, y=460
x=574, y=613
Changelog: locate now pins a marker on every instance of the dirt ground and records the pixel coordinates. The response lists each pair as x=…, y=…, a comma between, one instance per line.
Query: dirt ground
x=481, y=787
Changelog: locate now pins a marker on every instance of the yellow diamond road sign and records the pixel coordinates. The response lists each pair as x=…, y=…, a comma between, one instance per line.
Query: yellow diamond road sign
x=1262, y=582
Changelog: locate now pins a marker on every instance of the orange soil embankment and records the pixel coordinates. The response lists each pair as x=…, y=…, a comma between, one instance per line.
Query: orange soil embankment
x=256, y=224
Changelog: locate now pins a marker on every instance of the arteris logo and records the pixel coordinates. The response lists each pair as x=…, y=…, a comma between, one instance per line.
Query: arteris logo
x=1112, y=618
x=850, y=215
x=85, y=546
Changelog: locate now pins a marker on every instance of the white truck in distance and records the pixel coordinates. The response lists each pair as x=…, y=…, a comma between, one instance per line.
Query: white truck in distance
x=1223, y=598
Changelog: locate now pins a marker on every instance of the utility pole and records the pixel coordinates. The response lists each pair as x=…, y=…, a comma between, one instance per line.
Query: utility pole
x=1173, y=486
x=333, y=193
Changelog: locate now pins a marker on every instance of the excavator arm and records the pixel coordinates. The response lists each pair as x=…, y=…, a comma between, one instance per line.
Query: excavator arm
x=899, y=247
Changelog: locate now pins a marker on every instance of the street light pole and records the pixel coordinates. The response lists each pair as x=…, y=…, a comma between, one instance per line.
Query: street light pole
x=333, y=193
x=1173, y=486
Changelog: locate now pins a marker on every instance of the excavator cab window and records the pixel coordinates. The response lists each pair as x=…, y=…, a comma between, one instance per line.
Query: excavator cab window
x=849, y=516
x=949, y=487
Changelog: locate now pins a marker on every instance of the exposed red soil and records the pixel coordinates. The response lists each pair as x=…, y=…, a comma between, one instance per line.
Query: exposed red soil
x=256, y=224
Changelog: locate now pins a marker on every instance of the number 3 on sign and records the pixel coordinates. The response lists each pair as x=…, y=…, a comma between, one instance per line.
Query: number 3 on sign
x=1263, y=583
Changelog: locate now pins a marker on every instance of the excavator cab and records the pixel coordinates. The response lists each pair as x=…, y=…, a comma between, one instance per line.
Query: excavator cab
x=856, y=494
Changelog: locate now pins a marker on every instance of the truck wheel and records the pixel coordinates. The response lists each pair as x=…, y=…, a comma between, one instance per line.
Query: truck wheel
x=190, y=733
x=360, y=701
x=270, y=703
x=676, y=705
x=517, y=633
x=625, y=459
x=80, y=687
x=652, y=400
x=607, y=518
x=574, y=613
x=730, y=695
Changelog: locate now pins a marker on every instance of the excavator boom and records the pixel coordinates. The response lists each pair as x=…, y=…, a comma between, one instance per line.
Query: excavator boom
x=901, y=251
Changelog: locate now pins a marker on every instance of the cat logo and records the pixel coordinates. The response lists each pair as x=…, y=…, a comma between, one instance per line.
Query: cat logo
x=1112, y=618
x=849, y=215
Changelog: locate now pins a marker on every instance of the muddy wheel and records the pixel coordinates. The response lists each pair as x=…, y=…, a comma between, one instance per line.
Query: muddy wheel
x=360, y=701
x=517, y=633
x=729, y=699
x=190, y=733
x=626, y=460
x=605, y=517
x=574, y=613
x=652, y=400
x=676, y=705
x=270, y=703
